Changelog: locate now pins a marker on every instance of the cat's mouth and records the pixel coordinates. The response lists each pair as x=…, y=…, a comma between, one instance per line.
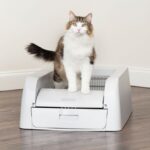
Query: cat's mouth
x=79, y=33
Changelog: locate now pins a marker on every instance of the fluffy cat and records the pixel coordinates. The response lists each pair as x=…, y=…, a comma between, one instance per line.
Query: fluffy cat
x=74, y=56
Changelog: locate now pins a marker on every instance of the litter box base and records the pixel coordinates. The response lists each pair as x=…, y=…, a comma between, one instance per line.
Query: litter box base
x=106, y=108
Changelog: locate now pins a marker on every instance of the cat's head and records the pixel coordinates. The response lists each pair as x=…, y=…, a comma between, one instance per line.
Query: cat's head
x=80, y=25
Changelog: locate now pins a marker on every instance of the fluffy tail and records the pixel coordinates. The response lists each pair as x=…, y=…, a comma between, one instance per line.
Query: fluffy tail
x=40, y=52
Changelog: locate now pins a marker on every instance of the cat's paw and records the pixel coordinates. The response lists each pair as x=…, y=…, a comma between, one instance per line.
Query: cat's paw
x=72, y=89
x=85, y=90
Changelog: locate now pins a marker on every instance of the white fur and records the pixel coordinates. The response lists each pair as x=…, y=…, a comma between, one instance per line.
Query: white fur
x=78, y=28
x=77, y=49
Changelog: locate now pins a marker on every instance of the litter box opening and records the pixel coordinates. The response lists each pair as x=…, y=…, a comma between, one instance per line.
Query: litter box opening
x=98, y=79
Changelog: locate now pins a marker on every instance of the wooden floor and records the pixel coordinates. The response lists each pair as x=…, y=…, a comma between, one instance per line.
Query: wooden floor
x=135, y=135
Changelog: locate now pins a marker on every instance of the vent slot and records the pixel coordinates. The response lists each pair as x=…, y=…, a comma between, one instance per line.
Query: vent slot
x=98, y=82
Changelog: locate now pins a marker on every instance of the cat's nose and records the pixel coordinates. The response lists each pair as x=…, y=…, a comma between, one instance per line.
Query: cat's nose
x=79, y=30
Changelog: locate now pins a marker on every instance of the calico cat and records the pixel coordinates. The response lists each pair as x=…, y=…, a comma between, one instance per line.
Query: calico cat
x=74, y=56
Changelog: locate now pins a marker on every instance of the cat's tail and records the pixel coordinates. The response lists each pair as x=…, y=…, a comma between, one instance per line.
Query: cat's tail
x=40, y=52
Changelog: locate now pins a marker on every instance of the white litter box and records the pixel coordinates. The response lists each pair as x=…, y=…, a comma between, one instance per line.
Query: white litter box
x=106, y=108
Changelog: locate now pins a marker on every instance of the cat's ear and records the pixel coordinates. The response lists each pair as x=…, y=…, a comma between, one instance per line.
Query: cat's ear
x=72, y=16
x=89, y=18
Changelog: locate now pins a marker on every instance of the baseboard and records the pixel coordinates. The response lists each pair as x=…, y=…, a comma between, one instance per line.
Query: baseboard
x=11, y=80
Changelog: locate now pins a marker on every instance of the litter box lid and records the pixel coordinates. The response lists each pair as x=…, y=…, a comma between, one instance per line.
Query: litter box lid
x=63, y=98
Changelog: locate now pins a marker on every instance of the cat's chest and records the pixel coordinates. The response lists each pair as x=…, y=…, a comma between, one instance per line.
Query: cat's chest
x=77, y=47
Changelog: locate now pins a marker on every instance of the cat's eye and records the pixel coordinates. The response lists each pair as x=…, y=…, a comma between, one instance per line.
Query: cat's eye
x=74, y=23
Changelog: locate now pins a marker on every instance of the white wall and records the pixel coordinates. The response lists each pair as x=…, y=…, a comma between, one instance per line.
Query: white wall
x=122, y=31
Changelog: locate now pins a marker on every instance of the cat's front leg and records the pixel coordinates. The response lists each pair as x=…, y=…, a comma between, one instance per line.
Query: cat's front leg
x=86, y=72
x=71, y=77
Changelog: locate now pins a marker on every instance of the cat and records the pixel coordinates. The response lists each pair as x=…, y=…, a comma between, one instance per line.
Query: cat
x=74, y=56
